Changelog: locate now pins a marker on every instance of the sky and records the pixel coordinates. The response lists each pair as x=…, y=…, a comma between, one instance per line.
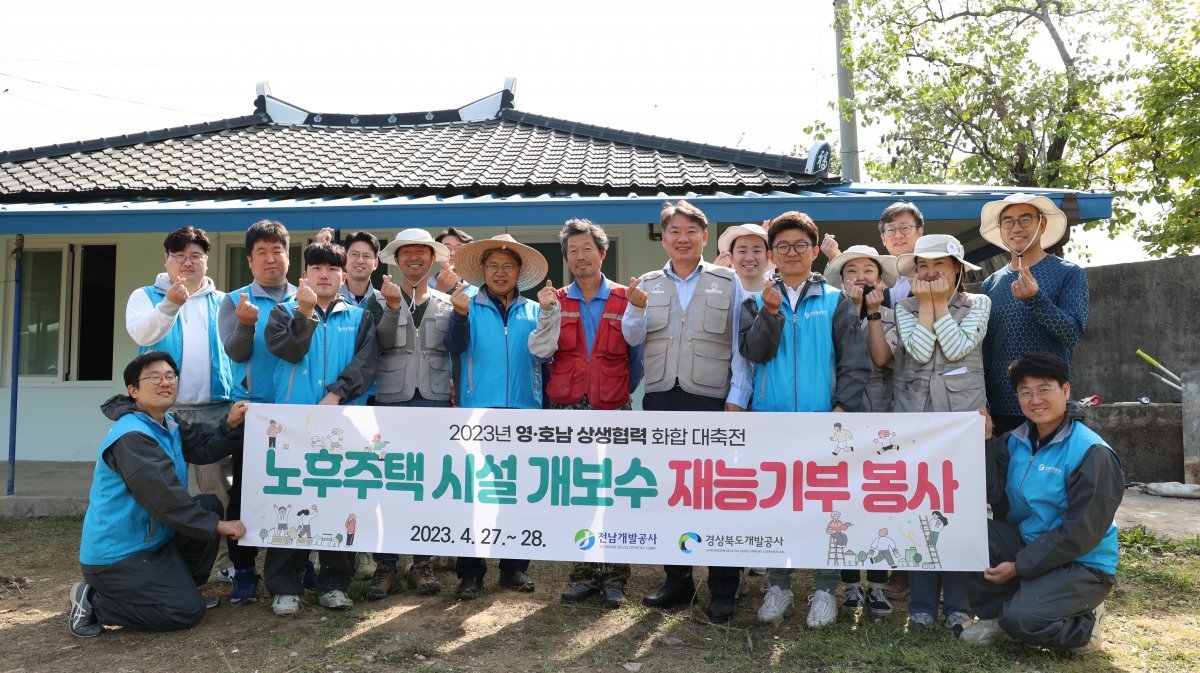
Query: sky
x=751, y=74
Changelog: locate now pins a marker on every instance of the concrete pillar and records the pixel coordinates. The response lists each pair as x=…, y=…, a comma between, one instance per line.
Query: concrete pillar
x=1191, y=427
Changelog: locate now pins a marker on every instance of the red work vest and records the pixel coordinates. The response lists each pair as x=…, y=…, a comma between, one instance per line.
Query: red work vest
x=605, y=376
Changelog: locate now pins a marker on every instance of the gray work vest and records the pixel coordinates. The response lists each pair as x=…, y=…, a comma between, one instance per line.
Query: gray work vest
x=877, y=396
x=692, y=347
x=922, y=386
x=419, y=362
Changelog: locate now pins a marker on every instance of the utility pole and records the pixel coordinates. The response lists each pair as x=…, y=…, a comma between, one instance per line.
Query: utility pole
x=847, y=118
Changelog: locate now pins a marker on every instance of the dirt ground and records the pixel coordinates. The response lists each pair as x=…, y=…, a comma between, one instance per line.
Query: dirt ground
x=1154, y=624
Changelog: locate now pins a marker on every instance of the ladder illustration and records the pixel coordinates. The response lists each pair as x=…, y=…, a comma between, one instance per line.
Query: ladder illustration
x=934, y=561
x=837, y=552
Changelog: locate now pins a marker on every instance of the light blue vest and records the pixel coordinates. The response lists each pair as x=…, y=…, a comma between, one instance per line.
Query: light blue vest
x=254, y=378
x=222, y=368
x=801, y=375
x=498, y=371
x=331, y=349
x=115, y=525
x=1037, y=488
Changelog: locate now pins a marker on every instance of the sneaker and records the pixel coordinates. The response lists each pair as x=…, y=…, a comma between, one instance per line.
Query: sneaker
x=211, y=602
x=364, y=566
x=578, y=593
x=614, y=596
x=285, y=604
x=958, y=621
x=1097, y=640
x=776, y=604
x=922, y=619
x=517, y=580
x=245, y=586
x=335, y=600
x=225, y=576
x=421, y=578
x=822, y=610
x=383, y=583
x=854, y=600
x=756, y=572
x=877, y=601
x=984, y=632
x=897, y=585
x=81, y=616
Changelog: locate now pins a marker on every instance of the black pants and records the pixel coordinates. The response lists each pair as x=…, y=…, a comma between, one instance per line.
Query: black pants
x=156, y=590
x=1053, y=610
x=241, y=554
x=283, y=570
x=390, y=561
x=721, y=581
x=477, y=567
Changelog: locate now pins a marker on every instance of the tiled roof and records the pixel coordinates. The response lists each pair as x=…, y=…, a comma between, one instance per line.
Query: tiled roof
x=509, y=153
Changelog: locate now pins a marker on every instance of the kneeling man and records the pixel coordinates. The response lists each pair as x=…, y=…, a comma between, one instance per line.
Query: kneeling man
x=1054, y=557
x=138, y=572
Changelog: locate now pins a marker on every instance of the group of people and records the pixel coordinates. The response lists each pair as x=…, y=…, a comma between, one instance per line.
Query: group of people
x=760, y=331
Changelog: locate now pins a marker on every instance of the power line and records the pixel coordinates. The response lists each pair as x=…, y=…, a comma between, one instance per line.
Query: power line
x=54, y=107
x=100, y=95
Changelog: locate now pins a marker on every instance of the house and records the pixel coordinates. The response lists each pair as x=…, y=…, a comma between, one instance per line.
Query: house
x=91, y=215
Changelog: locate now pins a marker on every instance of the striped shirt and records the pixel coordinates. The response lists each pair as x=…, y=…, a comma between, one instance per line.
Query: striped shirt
x=956, y=340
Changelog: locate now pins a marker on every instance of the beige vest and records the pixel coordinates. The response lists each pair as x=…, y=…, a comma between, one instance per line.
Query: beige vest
x=921, y=386
x=877, y=397
x=692, y=347
x=419, y=362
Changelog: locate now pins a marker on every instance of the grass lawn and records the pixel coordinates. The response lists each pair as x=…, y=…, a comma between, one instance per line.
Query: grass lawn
x=1153, y=624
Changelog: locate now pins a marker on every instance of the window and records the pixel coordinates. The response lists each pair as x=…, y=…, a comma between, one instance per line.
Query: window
x=67, y=307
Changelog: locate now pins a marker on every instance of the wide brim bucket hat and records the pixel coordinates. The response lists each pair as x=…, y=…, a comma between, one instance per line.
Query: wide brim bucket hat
x=888, y=271
x=725, y=242
x=1056, y=219
x=933, y=246
x=441, y=254
x=468, y=261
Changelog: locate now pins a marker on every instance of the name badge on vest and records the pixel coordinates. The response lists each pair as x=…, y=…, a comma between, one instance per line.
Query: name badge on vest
x=657, y=289
x=715, y=288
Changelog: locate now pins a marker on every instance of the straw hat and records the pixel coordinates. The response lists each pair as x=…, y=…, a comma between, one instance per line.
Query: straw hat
x=1056, y=220
x=441, y=254
x=887, y=265
x=725, y=242
x=468, y=261
x=933, y=246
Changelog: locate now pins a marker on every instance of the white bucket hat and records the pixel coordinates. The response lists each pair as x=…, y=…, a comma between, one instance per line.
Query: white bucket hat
x=725, y=242
x=414, y=237
x=468, y=261
x=933, y=246
x=1056, y=220
x=887, y=265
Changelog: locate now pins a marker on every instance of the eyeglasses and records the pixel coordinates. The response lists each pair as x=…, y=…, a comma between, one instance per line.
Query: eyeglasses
x=365, y=256
x=506, y=268
x=180, y=258
x=1025, y=221
x=892, y=232
x=157, y=379
x=1042, y=392
x=783, y=247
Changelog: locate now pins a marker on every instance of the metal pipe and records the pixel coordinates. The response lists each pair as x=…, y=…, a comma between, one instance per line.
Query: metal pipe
x=847, y=118
x=18, y=261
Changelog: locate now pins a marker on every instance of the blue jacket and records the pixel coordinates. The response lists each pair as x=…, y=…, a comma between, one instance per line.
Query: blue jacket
x=801, y=375
x=254, y=378
x=1036, y=487
x=222, y=386
x=330, y=351
x=497, y=369
x=115, y=525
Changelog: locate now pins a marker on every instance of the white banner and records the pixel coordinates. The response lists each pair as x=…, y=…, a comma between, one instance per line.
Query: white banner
x=725, y=489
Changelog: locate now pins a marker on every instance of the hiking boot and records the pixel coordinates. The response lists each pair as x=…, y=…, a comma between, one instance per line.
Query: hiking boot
x=81, y=616
x=669, y=595
x=720, y=609
x=984, y=632
x=335, y=600
x=245, y=586
x=822, y=610
x=518, y=580
x=285, y=605
x=469, y=588
x=897, y=585
x=877, y=601
x=854, y=599
x=776, y=604
x=225, y=576
x=421, y=579
x=578, y=593
x=614, y=596
x=364, y=566
x=922, y=619
x=1097, y=639
x=383, y=583
x=958, y=621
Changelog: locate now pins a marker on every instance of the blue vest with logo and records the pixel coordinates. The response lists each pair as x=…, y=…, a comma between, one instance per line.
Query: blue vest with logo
x=254, y=379
x=1037, y=488
x=222, y=368
x=498, y=371
x=329, y=352
x=115, y=525
x=801, y=375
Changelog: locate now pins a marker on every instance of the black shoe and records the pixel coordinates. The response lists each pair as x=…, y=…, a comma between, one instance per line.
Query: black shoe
x=81, y=616
x=669, y=595
x=517, y=580
x=211, y=602
x=614, y=597
x=469, y=588
x=720, y=609
x=578, y=593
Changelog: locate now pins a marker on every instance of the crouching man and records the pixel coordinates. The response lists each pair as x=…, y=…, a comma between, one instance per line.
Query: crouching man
x=1054, y=557
x=147, y=544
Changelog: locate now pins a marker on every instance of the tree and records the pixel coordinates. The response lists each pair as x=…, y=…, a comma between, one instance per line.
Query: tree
x=1032, y=93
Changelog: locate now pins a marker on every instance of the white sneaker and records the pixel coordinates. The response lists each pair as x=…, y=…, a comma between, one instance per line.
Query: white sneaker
x=1097, y=640
x=958, y=621
x=335, y=600
x=984, y=632
x=285, y=604
x=225, y=576
x=364, y=566
x=822, y=610
x=921, y=619
x=776, y=604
